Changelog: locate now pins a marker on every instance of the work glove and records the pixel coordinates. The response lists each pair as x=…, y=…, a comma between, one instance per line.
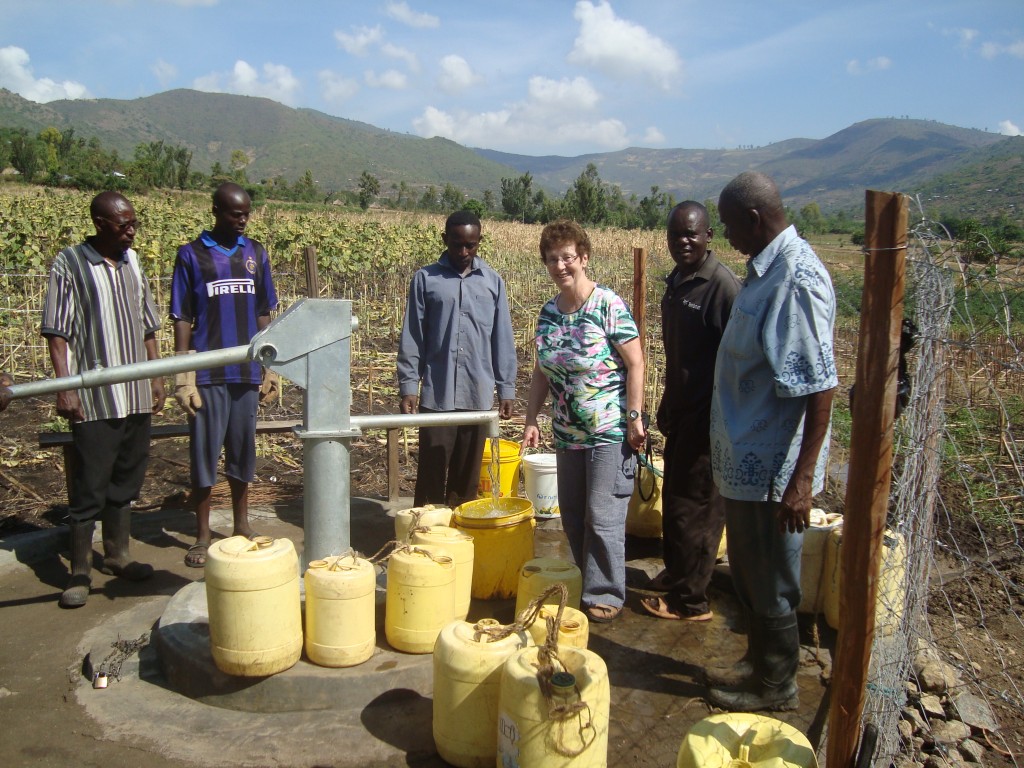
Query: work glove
x=270, y=388
x=185, y=391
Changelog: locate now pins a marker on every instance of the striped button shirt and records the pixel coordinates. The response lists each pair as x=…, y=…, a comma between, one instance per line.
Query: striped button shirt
x=104, y=313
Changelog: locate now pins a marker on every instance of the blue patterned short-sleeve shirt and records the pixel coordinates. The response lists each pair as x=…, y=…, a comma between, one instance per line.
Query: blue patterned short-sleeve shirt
x=777, y=349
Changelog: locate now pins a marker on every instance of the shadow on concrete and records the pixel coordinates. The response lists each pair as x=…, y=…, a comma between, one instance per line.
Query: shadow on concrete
x=402, y=719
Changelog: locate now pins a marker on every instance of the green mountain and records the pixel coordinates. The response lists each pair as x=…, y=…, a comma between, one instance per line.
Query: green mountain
x=884, y=154
x=974, y=169
x=278, y=140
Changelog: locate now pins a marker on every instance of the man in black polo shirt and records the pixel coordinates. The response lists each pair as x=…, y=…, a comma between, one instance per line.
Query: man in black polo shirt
x=694, y=310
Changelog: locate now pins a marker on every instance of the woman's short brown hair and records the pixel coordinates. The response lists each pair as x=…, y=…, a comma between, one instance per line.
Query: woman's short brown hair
x=562, y=232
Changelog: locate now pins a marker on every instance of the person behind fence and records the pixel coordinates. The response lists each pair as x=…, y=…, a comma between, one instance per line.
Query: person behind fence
x=99, y=313
x=775, y=376
x=5, y=394
x=222, y=294
x=456, y=348
x=590, y=364
x=695, y=308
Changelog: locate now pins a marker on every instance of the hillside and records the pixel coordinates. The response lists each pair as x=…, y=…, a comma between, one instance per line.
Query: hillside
x=976, y=170
x=279, y=140
x=834, y=172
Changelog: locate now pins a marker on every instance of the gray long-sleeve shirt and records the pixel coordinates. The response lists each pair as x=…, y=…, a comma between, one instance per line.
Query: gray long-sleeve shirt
x=457, y=339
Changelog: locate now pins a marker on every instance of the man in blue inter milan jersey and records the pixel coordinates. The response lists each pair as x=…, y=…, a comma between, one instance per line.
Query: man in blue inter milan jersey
x=222, y=294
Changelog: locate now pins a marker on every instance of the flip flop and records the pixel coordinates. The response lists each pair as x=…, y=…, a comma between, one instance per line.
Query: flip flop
x=196, y=555
x=657, y=583
x=603, y=614
x=659, y=607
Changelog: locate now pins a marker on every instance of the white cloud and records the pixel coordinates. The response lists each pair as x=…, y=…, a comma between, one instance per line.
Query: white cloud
x=621, y=48
x=575, y=94
x=877, y=64
x=277, y=83
x=653, y=136
x=964, y=36
x=992, y=50
x=16, y=75
x=390, y=78
x=456, y=74
x=1009, y=129
x=555, y=113
x=359, y=40
x=403, y=13
x=336, y=88
x=404, y=54
x=164, y=72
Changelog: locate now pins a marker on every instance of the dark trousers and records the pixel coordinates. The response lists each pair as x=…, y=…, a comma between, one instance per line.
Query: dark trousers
x=110, y=457
x=693, y=517
x=449, y=463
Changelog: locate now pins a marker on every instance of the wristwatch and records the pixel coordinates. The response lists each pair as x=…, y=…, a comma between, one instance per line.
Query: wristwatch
x=633, y=415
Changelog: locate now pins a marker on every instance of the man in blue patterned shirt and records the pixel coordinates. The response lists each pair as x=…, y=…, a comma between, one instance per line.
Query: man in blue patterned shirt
x=775, y=377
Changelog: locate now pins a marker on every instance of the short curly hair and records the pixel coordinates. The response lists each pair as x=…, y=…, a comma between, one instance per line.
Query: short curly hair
x=562, y=232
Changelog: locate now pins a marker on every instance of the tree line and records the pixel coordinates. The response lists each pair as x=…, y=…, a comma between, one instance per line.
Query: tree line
x=61, y=158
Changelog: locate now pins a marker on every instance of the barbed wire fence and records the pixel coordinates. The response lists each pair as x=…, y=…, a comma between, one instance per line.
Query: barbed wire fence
x=956, y=509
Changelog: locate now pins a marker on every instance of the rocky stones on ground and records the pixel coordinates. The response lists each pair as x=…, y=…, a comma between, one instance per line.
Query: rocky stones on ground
x=974, y=711
x=949, y=733
x=933, y=675
x=972, y=751
x=932, y=706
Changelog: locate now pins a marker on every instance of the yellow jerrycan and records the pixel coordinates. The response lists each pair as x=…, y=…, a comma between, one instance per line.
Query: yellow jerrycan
x=420, y=516
x=467, y=686
x=540, y=573
x=554, y=719
x=252, y=594
x=340, y=611
x=574, y=629
x=643, y=514
x=459, y=547
x=507, y=467
x=743, y=740
x=502, y=534
x=813, y=581
x=420, y=597
x=892, y=586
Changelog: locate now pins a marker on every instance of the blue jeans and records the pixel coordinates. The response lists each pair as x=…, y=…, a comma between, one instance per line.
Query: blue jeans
x=594, y=486
x=764, y=563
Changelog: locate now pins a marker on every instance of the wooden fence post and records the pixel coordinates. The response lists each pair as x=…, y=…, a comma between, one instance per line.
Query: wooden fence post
x=640, y=292
x=870, y=469
x=312, y=273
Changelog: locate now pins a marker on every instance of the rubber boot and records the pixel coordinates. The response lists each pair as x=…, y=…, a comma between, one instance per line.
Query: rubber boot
x=743, y=671
x=776, y=689
x=77, y=591
x=117, y=524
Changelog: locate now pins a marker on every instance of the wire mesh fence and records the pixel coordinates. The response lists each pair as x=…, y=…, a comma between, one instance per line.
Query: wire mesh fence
x=952, y=591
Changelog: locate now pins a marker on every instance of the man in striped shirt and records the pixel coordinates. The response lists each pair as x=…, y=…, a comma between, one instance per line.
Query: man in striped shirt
x=222, y=294
x=99, y=313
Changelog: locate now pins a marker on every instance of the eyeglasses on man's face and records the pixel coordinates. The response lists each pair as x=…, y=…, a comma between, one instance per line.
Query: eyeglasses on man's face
x=123, y=226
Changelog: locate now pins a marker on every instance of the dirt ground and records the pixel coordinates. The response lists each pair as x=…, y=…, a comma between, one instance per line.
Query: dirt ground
x=974, y=608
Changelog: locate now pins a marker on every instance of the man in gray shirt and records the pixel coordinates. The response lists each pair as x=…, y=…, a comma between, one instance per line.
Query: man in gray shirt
x=456, y=348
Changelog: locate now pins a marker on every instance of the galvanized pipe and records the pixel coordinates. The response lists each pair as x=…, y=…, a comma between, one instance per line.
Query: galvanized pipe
x=446, y=419
x=308, y=344
x=149, y=369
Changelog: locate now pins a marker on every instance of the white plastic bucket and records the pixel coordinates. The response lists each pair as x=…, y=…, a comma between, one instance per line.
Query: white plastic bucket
x=540, y=476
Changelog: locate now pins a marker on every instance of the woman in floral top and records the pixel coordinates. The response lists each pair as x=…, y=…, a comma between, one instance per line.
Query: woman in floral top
x=590, y=361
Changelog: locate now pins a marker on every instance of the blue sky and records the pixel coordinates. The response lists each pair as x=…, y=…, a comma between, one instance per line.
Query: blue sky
x=542, y=76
